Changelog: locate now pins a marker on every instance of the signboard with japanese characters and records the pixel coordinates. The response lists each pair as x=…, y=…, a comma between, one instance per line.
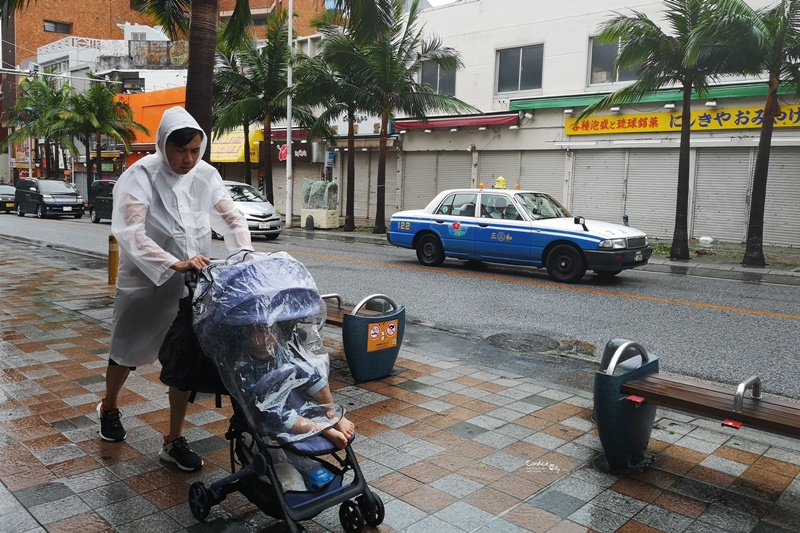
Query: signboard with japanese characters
x=702, y=120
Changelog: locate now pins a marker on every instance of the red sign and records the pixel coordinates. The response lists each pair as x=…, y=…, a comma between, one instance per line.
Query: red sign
x=301, y=152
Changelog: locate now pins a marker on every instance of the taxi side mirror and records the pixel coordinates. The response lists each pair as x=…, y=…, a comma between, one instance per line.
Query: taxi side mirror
x=582, y=222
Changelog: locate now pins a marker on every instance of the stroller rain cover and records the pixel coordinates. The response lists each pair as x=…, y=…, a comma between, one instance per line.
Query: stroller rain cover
x=259, y=320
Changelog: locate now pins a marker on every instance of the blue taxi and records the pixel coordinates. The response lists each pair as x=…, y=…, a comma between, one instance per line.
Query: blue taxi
x=519, y=228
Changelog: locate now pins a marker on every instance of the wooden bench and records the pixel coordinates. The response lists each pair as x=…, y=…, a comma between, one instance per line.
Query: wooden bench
x=336, y=310
x=734, y=407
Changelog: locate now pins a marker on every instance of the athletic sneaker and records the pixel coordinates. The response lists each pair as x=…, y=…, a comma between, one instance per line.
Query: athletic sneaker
x=111, y=428
x=178, y=452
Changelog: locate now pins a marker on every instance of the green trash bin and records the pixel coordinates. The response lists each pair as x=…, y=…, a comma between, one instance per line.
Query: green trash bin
x=372, y=342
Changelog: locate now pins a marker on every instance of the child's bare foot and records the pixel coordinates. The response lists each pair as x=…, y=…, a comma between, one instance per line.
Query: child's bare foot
x=336, y=437
x=346, y=426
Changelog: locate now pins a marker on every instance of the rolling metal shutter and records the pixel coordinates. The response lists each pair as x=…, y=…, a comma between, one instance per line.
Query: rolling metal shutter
x=419, y=179
x=492, y=165
x=782, y=208
x=453, y=171
x=721, y=193
x=598, y=184
x=652, y=191
x=544, y=171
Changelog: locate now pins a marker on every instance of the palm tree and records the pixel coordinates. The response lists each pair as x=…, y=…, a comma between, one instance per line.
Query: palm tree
x=96, y=113
x=659, y=60
x=173, y=17
x=39, y=113
x=255, y=87
x=327, y=79
x=388, y=69
x=765, y=42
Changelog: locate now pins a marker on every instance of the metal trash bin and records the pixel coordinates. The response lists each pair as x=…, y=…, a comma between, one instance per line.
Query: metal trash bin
x=624, y=426
x=372, y=342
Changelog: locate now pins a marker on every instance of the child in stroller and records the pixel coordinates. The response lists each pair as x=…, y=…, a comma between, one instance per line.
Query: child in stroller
x=259, y=320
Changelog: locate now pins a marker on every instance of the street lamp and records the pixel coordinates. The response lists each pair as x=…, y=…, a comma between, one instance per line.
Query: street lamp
x=289, y=177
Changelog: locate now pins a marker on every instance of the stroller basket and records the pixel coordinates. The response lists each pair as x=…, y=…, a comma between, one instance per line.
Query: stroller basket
x=259, y=321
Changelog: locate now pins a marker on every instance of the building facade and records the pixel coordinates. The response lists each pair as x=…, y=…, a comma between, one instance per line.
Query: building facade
x=542, y=65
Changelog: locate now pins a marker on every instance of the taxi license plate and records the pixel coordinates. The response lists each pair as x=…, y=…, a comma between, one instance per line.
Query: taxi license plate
x=9, y=204
x=637, y=256
x=67, y=208
x=263, y=225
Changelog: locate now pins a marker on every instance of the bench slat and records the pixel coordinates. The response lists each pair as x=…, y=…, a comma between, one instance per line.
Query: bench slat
x=335, y=314
x=770, y=414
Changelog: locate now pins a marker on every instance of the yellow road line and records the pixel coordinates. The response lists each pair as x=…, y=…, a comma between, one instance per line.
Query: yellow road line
x=551, y=285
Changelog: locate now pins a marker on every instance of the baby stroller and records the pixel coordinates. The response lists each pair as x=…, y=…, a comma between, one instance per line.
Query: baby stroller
x=259, y=321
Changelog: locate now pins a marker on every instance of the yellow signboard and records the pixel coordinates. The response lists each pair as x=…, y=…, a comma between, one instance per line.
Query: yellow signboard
x=736, y=118
x=382, y=335
x=229, y=147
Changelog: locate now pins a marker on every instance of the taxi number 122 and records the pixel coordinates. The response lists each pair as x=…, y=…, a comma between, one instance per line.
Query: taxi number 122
x=404, y=226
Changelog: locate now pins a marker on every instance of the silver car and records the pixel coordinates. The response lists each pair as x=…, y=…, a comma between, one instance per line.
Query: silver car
x=261, y=216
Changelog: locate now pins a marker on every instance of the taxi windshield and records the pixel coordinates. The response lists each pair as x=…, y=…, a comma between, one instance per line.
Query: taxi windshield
x=540, y=206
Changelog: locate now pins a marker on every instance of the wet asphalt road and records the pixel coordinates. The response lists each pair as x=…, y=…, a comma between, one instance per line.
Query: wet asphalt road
x=699, y=325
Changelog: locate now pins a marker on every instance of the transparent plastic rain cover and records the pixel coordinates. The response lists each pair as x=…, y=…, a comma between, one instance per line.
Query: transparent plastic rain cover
x=259, y=320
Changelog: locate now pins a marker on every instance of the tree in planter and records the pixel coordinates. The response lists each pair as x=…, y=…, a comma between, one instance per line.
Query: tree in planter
x=388, y=68
x=327, y=78
x=763, y=42
x=97, y=113
x=659, y=60
x=39, y=113
x=254, y=86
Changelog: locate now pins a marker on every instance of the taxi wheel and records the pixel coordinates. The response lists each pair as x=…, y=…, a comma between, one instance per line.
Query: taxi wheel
x=565, y=264
x=430, y=251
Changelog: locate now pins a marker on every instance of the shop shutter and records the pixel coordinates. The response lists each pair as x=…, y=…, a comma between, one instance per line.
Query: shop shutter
x=652, y=190
x=419, y=179
x=543, y=171
x=453, y=171
x=492, y=165
x=782, y=208
x=598, y=184
x=721, y=193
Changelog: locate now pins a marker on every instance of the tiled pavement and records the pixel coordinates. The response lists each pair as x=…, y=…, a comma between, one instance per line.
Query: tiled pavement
x=449, y=447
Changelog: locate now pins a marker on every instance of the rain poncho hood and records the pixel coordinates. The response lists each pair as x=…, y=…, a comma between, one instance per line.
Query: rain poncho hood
x=267, y=296
x=160, y=218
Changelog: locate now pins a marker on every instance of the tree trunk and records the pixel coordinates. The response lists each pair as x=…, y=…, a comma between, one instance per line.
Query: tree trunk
x=248, y=174
x=267, y=185
x=199, y=77
x=98, y=155
x=349, y=216
x=680, y=235
x=380, y=208
x=754, y=248
x=47, y=161
x=88, y=162
x=56, y=162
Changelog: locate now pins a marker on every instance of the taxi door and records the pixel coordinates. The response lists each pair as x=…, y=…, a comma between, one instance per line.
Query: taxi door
x=455, y=223
x=502, y=234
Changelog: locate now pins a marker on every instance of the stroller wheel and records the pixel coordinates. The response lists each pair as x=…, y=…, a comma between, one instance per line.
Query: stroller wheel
x=350, y=517
x=373, y=517
x=199, y=500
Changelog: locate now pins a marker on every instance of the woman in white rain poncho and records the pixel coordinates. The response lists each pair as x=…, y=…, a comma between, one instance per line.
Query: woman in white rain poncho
x=165, y=206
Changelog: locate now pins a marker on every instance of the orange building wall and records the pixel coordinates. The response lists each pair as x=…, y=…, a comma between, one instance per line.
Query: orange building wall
x=96, y=19
x=305, y=10
x=147, y=110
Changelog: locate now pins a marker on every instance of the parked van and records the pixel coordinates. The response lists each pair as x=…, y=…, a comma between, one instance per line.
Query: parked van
x=47, y=197
x=101, y=199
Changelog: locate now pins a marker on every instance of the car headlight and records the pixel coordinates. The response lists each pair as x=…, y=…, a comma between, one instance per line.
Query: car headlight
x=79, y=200
x=47, y=198
x=613, y=243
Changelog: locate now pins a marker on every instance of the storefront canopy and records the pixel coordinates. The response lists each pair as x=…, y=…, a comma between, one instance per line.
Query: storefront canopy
x=229, y=147
x=489, y=119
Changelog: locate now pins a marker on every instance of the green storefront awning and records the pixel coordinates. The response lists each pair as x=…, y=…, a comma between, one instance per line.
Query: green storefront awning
x=742, y=90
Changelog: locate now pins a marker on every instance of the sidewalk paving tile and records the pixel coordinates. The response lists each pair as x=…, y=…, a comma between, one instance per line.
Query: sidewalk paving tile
x=447, y=446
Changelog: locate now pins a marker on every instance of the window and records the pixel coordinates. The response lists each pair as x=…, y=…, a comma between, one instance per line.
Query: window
x=441, y=81
x=520, y=69
x=138, y=36
x=460, y=204
x=57, y=27
x=602, y=64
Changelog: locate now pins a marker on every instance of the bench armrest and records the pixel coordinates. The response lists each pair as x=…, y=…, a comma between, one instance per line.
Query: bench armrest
x=754, y=382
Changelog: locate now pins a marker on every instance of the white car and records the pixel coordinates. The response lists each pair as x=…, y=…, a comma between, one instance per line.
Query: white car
x=260, y=214
x=519, y=228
